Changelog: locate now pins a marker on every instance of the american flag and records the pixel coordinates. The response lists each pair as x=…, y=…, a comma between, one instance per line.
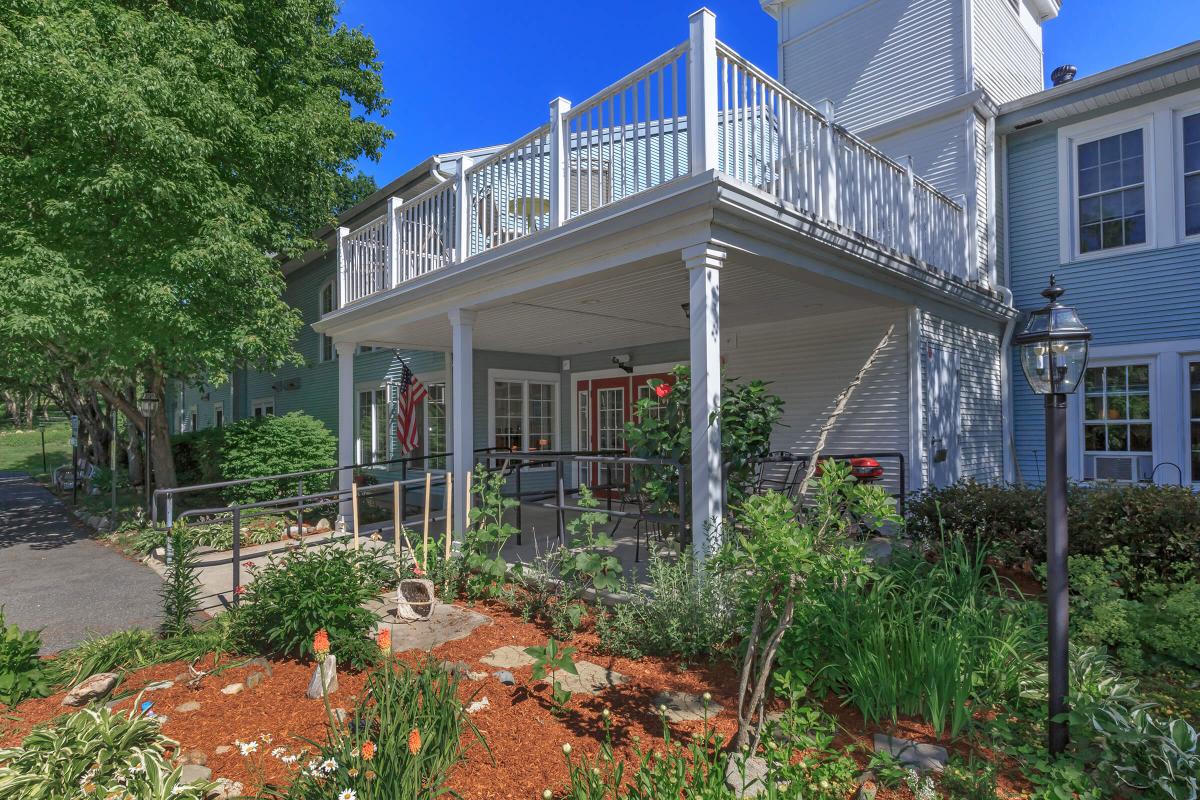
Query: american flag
x=409, y=394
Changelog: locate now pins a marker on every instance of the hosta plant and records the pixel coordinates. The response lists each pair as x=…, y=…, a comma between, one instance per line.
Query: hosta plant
x=97, y=753
x=22, y=673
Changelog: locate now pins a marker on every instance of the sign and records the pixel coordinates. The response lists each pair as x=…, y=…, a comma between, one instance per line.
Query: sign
x=74, y=426
x=74, y=442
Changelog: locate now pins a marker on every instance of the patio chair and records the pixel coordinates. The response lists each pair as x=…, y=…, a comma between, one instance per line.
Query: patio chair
x=779, y=471
x=63, y=478
x=491, y=221
x=422, y=248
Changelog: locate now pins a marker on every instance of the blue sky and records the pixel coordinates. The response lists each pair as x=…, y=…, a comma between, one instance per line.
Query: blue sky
x=470, y=73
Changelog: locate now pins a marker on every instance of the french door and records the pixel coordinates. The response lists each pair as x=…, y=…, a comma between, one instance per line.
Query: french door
x=604, y=406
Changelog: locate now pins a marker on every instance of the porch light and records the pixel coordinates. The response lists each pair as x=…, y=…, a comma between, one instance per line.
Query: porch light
x=1054, y=346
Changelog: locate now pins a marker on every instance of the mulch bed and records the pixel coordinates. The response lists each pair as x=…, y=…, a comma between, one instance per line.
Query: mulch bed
x=524, y=737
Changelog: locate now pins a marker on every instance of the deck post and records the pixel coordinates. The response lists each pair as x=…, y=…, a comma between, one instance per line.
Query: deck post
x=908, y=216
x=828, y=163
x=343, y=268
x=704, y=264
x=394, y=278
x=462, y=333
x=345, y=356
x=560, y=160
x=462, y=222
x=702, y=91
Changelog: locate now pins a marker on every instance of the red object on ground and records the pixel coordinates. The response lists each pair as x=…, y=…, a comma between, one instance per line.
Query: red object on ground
x=867, y=470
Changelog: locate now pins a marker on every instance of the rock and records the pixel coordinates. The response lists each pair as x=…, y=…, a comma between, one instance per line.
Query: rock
x=194, y=773
x=158, y=685
x=323, y=525
x=476, y=676
x=445, y=624
x=260, y=664
x=508, y=657
x=188, y=707
x=191, y=756
x=222, y=749
x=341, y=715
x=225, y=790
x=685, y=707
x=183, y=677
x=415, y=599
x=93, y=688
x=505, y=677
x=591, y=678
x=478, y=705
x=233, y=688
x=866, y=791
x=460, y=669
x=324, y=680
x=922, y=757
x=254, y=679
x=749, y=780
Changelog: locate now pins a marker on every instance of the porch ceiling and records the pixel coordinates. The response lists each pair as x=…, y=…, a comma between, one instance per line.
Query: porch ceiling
x=628, y=306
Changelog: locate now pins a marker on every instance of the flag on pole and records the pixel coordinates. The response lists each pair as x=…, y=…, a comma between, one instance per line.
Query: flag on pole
x=410, y=392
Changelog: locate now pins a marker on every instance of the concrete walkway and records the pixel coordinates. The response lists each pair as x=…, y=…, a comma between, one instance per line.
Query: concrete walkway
x=54, y=577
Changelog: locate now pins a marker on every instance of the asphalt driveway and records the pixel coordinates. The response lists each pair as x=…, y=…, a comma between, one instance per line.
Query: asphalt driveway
x=54, y=577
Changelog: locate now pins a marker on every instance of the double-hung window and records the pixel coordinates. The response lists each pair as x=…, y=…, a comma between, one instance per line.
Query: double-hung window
x=1191, y=175
x=1118, y=440
x=1111, y=192
x=1193, y=400
x=327, y=351
x=524, y=414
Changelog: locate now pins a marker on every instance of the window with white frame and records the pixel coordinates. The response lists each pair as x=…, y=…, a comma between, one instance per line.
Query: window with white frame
x=373, y=413
x=434, y=424
x=264, y=407
x=1193, y=377
x=1191, y=174
x=524, y=414
x=328, y=304
x=1118, y=440
x=1110, y=184
x=219, y=415
x=193, y=419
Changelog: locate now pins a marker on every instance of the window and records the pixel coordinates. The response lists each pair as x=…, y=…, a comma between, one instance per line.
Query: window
x=524, y=414
x=193, y=420
x=328, y=353
x=1110, y=182
x=219, y=415
x=1191, y=176
x=1194, y=418
x=263, y=408
x=371, y=445
x=436, y=440
x=1117, y=432
x=655, y=409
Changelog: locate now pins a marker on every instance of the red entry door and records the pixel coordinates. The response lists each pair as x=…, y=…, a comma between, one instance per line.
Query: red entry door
x=603, y=406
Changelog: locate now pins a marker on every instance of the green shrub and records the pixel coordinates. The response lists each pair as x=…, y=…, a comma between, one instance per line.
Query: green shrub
x=397, y=701
x=1160, y=525
x=198, y=456
x=682, y=613
x=271, y=445
x=309, y=589
x=22, y=672
x=95, y=753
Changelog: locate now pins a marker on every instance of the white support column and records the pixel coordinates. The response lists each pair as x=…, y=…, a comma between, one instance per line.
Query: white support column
x=560, y=160
x=343, y=268
x=346, y=404
x=462, y=425
x=702, y=91
x=967, y=233
x=908, y=217
x=465, y=206
x=393, y=238
x=704, y=263
x=828, y=163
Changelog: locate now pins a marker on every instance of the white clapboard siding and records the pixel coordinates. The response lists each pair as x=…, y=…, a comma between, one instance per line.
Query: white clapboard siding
x=1006, y=49
x=810, y=361
x=877, y=60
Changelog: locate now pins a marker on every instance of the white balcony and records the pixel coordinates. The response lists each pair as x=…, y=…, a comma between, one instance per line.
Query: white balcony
x=698, y=108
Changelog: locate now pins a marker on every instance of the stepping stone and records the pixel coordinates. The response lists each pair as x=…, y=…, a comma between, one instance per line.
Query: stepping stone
x=918, y=755
x=233, y=688
x=592, y=678
x=188, y=707
x=685, y=707
x=194, y=773
x=446, y=624
x=157, y=685
x=192, y=756
x=747, y=781
x=91, y=689
x=254, y=679
x=508, y=657
x=222, y=749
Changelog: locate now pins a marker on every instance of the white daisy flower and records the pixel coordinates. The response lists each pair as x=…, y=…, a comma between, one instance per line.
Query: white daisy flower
x=247, y=748
x=290, y=759
x=328, y=766
x=348, y=794
x=278, y=752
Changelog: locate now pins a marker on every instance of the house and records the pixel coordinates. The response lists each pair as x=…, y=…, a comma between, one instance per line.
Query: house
x=1101, y=180
x=699, y=211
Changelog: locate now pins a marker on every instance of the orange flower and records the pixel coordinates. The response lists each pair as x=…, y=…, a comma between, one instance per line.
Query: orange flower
x=321, y=644
x=368, y=751
x=384, y=640
x=414, y=741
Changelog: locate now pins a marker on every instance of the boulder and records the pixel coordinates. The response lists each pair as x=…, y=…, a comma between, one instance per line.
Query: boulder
x=91, y=689
x=194, y=773
x=746, y=777
x=261, y=664
x=191, y=756
x=324, y=681
x=254, y=679
x=918, y=755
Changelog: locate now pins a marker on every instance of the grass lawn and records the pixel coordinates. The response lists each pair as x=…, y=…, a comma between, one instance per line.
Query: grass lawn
x=21, y=451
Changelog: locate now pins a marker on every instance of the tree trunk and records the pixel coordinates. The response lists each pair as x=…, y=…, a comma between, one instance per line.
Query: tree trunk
x=161, y=457
x=10, y=405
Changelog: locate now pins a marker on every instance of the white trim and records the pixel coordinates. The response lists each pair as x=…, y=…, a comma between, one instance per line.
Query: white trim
x=370, y=386
x=1178, y=170
x=330, y=284
x=916, y=402
x=613, y=372
x=263, y=403
x=526, y=377
x=1185, y=361
x=218, y=406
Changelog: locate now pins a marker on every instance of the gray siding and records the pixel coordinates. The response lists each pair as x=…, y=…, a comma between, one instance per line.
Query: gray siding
x=1008, y=59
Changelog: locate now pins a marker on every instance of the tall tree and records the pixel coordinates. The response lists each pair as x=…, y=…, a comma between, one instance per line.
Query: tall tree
x=157, y=160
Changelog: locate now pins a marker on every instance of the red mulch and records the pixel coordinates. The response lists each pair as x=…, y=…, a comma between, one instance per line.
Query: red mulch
x=524, y=737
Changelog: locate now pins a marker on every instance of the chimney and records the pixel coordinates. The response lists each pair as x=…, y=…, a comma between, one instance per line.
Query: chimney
x=1063, y=74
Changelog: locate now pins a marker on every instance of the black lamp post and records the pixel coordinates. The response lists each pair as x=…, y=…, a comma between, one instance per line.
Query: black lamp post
x=1054, y=353
x=147, y=405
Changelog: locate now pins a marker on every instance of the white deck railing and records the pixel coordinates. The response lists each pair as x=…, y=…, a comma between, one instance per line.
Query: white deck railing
x=697, y=108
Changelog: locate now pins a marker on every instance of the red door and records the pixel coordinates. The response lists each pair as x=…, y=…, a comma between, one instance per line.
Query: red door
x=604, y=405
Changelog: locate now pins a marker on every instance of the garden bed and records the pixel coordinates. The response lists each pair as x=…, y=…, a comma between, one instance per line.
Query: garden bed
x=524, y=736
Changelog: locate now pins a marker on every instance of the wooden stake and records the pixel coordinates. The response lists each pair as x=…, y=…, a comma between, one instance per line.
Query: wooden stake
x=397, y=516
x=354, y=511
x=425, y=537
x=449, y=505
x=469, y=499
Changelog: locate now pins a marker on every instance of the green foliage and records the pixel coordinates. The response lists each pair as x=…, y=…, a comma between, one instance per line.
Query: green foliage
x=261, y=529
x=397, y=700
x=973, y=780
x=181, y=585
x=308, y=589
x=589, y=562
x=95, y=752
x=828, y=770
x=546, y=661
x=682, y=613
x=488, y=533
x=197, y=456
x=22, y=673
x=273, y=445
x=1160, y=525
x=662, y=428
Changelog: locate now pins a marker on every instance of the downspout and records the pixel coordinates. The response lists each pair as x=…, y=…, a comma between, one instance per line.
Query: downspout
x=1006, y=393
